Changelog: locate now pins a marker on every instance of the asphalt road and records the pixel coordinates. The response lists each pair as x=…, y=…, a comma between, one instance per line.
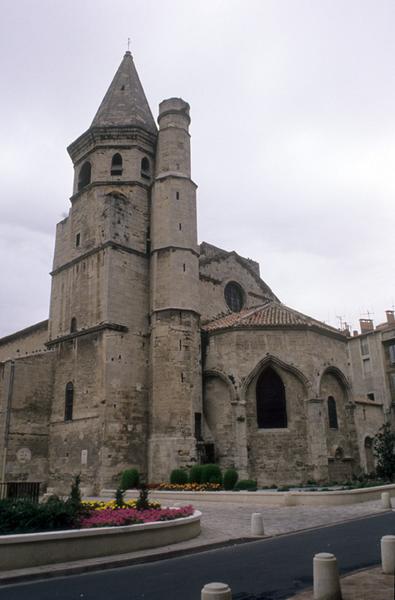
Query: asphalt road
x=270, y=569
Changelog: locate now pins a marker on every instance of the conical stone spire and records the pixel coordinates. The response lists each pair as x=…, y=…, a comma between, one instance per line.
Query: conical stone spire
x=125, y=103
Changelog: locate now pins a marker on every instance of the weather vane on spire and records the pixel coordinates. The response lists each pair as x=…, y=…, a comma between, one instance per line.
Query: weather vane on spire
x=128, y=44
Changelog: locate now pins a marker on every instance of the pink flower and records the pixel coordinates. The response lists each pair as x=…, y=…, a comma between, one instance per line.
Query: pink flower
x=130, y=516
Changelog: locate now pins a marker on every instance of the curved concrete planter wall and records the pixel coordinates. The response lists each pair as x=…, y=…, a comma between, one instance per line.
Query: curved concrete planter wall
x=35, y=549
x=333, y=498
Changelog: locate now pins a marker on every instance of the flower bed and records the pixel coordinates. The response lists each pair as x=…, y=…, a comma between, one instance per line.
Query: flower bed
x=190, y=487
x=113, y=517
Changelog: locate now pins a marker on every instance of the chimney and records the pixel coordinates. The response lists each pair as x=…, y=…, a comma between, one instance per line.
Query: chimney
x=390, y=316
x=355, y=333
x=366, y=325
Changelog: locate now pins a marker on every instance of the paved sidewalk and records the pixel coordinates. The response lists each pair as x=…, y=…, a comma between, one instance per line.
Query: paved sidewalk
x=370, y=584
x=221, y=524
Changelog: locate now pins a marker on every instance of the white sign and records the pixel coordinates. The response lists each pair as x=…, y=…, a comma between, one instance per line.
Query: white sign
x=84, y=457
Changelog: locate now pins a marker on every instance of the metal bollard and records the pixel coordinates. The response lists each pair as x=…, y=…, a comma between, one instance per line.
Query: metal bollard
x=386, y=500
x=216, y=591
x=326, y=577
x=257, y=524
x=388, y=554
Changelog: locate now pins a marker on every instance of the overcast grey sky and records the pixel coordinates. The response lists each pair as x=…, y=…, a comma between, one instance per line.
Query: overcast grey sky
x=293, y=138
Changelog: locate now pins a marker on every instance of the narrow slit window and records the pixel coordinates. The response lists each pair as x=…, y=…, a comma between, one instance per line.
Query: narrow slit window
x=180, y=226
x=69, y=402
x=177, y=195
x=77, y=240
x=332, y=413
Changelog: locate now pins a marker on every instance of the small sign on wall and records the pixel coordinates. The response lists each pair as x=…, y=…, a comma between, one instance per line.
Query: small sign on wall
x=84, y=457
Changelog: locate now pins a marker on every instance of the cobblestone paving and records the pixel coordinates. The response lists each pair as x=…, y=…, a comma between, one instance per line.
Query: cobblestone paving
x=221, y=521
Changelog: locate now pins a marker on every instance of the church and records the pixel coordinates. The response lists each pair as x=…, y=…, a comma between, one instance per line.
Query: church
x=161, y=353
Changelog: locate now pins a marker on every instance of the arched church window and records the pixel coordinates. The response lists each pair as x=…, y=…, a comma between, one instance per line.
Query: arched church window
x=116, y=164
x=73, y=325
x=271, y=405
x=69, y=401
x=332, y=413
x=84, y=177
x=145, y=168
x=234, y=296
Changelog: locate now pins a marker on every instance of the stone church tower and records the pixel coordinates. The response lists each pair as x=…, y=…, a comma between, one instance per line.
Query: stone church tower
x=124, y=316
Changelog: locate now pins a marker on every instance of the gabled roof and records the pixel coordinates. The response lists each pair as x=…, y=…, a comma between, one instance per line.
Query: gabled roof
x=125, y=103
x=271, y=315
x=210, y=253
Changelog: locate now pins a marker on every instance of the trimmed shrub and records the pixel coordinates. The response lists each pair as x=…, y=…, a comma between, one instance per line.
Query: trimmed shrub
x=129, y=479
x=178, y=476
x=211, y=474
x=25, y=516
x=230, y=479
x=195, y=474
x=246, y=484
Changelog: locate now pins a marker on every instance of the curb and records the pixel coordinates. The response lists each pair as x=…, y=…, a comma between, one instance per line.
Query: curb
x=88, y=566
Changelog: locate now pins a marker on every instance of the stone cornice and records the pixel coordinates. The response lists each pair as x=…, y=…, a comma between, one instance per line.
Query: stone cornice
x=109, y=182
x=109, y=244
x=95, y=136
x=95, y=329
x=174, y=175
x=191, y=250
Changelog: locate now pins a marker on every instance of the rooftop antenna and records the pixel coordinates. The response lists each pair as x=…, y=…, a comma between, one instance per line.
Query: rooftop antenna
x=368, y=314
x=341, y=322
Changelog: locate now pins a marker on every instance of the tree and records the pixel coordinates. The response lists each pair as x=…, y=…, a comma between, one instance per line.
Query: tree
x=384, y=451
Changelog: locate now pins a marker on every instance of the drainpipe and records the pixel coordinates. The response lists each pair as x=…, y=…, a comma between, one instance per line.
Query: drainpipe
x=7, y=418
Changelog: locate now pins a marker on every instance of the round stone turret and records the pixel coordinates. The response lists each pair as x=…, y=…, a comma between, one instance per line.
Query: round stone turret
x=173, y=152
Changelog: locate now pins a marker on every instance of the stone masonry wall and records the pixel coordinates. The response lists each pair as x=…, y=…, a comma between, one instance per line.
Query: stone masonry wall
x=300, y=357
x=22, y=343
x=213, y=278
x=27, y=394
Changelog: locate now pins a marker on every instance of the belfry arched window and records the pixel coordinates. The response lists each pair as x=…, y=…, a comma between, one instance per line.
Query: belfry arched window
x=116, y=164
x=271, y=408
x=145, y=168
x=68, y=402
x=73, y=325
x=84, y=177
x=332, y=413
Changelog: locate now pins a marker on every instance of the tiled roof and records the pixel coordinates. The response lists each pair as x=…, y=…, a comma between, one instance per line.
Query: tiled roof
x=270, y=314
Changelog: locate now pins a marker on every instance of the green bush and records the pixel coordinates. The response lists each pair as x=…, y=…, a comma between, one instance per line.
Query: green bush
x=178, y=476
x=211, y=474
x=230, y=479
x=195, y=474
x=129, y=479
x=246, y=484
x=25, y=516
